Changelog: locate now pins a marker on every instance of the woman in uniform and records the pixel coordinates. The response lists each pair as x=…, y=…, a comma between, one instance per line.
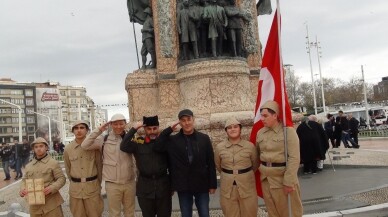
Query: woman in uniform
x=236, y=160
x=48, y=169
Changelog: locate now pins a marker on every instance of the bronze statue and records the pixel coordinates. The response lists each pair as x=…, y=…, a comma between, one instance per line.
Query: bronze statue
x=234, y=28
x=148, y=40
x=187, y=29
x=217, y=19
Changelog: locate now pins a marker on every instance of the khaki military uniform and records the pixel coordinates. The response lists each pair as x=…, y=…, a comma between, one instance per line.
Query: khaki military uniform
x=238, y=190
x=82, y=166
x=270, y=146
x=49, y=170
x=118, y=172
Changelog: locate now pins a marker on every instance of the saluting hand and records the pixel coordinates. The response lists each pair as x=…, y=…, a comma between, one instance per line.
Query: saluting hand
x=138, y=125
x=173, y=127
x=104, y=126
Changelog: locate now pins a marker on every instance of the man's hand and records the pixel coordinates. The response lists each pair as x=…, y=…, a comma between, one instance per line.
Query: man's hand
x=104, y=126
x=212, y=191
x=287, y=189
x=23, y=192
x=173, y=127
x=47, y=190
x=138, y=125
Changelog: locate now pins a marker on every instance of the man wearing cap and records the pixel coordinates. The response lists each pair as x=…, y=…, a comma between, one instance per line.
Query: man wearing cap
x=118, y=166
x=236, y=160
x=278, y=177
x=84, y=171
x=153, y=185
x=46, y=168
x=191, y=157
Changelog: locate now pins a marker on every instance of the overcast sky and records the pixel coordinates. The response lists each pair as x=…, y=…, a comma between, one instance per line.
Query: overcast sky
x=91, y=43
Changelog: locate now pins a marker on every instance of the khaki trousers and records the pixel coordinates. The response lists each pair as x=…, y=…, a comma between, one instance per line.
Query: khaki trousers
x=89, y=207
x=57, y=212
x=276, y=201
x=121, y=194
x=235, y=206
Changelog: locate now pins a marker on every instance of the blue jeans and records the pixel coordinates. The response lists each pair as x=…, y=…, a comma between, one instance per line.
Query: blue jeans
x=6, y=169
x=18, y=167
x=186, y=200
x=345, y=138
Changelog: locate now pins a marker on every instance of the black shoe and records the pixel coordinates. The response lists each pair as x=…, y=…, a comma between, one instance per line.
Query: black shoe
x=6, y=179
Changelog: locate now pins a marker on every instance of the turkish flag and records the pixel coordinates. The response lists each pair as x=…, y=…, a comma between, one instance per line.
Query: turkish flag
x=271, y=87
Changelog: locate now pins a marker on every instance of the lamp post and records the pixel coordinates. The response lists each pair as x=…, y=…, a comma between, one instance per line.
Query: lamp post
x=49, y=125
x=20, y=118
x=311, y=68
x=365, y=98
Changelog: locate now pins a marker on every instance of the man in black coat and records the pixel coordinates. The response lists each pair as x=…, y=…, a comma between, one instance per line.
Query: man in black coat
x=153, y=188
x=191, y=156
x=353, y=129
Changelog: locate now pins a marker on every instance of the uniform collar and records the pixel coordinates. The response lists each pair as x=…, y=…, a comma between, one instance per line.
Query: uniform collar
x=277, y=129
x=43, y=160
x=229, y=144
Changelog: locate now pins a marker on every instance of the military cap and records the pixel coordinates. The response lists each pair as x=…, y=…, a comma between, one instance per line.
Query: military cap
x=230, y=121
x=151, y=121
x=117, y=117
x=185, y=112
x=80, y=122
x=273, y=105
x=39, y=140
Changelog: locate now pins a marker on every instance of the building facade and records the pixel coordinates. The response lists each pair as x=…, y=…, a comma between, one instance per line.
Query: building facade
x=24, y=96
x=381, y=89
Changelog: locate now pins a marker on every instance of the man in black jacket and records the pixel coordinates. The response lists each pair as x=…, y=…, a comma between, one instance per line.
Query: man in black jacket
x=353, y=129
x=191, y=156
x=153, y=186
x=5, y=153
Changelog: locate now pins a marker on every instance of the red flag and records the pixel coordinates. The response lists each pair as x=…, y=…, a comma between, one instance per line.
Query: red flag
x=270, y=87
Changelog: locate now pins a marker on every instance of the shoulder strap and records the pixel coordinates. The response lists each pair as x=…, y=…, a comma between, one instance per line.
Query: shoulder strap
x=103, y=144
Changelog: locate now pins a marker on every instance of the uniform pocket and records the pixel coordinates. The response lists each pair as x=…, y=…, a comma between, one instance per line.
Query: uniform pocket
x=109, y=170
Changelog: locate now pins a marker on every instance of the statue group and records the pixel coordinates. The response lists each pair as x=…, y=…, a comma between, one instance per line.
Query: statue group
x=206, y=28
x=203, y=23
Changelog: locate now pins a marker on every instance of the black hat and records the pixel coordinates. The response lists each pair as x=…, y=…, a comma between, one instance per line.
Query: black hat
x=185, y=112
x=150, y=121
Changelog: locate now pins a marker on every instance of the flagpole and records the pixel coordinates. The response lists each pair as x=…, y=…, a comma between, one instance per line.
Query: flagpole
x=283, y=98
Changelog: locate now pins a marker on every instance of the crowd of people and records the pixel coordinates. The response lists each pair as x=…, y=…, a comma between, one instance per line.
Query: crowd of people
x=15, y=157
x=153, y=164
x=161, y=163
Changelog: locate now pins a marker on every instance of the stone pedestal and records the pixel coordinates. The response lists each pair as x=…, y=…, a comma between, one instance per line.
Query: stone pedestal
x=214, y=90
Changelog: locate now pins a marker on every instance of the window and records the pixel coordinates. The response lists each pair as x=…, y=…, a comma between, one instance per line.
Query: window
x=30, y=120
x=73, y=101
x=63, y=93
x=31, y=129
x=29, y=101
x=73, y=93
x=3, y=130
x=3, y=120
x=16, y=111
x=17, y=101
x=29, y=92
x=5, y=111
x=29, y=111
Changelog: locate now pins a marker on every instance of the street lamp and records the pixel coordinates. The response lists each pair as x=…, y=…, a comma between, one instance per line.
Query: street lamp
x=311, y=68
x=20, y=118
x=49, y=125
x=365, y=98
x=316, y=44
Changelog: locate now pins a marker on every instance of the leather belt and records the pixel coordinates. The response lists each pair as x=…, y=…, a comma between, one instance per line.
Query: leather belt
x=84, y=179
x=154, y=176
x=268, y=164
x=236, y=171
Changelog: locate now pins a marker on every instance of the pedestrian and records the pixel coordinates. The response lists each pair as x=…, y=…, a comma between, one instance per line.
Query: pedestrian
x=345, y=130
x=84, y=171
x=18, y=151
x=118, y=170
x=5, y=153
x=26, y=152
x=278, y=177
x=153, y=188
x=236, y=160
x=329, y=129
x=191, y=156
x=353, y=129
x=46, y=168
x=337, y=132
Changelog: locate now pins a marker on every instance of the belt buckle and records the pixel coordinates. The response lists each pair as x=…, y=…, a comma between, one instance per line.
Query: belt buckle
x=269, y=164
x=235, y=172
x=83, y=179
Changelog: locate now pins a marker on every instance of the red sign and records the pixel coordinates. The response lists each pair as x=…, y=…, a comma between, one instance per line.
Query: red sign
x=49, y=97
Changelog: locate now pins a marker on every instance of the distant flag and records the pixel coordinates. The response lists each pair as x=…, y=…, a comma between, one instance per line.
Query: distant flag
x=271, y=86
